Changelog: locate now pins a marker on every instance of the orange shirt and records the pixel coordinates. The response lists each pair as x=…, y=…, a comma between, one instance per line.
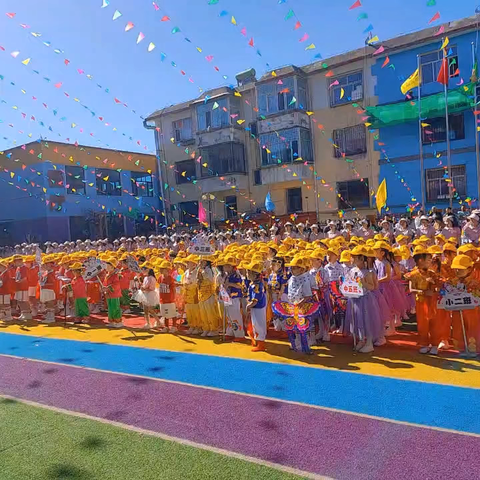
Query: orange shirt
x=419, y=281
x=21, y=279
x=33, y=276
x=79, y=287
x=5, y=288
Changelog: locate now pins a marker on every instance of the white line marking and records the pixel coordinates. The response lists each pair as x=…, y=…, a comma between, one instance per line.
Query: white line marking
x=169, y=438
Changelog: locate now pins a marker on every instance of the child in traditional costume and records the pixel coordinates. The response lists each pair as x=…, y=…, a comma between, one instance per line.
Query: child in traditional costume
x=206, y=299
x=257, y=305
x=166, y=289
x=5, y=293
x=233, y=286
x=190, y=294
x=113, y=293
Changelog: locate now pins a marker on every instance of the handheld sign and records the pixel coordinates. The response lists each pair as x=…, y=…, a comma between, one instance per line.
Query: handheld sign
x=132, y=264
x=93, y=267
x=224, y=296
x=457, y=298
x=201, y=246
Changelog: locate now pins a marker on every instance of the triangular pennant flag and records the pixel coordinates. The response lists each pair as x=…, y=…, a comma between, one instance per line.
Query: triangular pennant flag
x=233, y=21
x=105, y=3
x=243, y=31
x=297, y=25
x=368, y=29
x=251, y=42
x=385, y=63
x=310, y=47
x=26, y=61
x=294, y=100
x=355, y=5
x=435, y=17
x=445, y=43
x=15, y=54
x=140, y=37
x=379, y=50
x=362, y=16
x=431, y=3
x=165, y=18
x=129, y=26
x=305, y=37
x=175, y=30
x=289, y=15
x=215, y=106
x=151, y=46
x=116, y=15
x=374, y=39
x=439, y=31
x=10, y=15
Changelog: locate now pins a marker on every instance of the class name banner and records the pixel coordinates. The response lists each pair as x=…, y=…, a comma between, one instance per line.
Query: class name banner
x=201, y=247
x=455, y=298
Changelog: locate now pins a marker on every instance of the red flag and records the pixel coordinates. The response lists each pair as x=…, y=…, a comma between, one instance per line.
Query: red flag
x=297, y=25
x=202, y=214
x=355, y=5
x=251, y=42
x=443, y=73
x=435, y=17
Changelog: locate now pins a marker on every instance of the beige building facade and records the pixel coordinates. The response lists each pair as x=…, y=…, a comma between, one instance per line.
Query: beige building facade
x=292, y=133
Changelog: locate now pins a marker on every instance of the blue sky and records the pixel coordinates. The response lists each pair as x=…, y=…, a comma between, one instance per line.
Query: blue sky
x=92, y=42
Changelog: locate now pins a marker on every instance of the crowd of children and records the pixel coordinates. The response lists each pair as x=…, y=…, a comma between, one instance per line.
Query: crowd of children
x=294, y=285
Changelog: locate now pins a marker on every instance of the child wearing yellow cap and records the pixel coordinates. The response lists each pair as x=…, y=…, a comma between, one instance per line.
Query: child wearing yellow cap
x=190, y=294
x=257, y=306
x=113, y=293
x=209, y=315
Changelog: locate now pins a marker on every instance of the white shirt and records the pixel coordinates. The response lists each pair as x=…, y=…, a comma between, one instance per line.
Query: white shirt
x=300, y=287
x=333, y=272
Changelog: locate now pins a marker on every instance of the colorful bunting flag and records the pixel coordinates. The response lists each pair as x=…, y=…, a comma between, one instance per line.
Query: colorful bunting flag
x=435, y=17
x=129, y=26
x=355, y=5
x=116, y=15
x=140, y=37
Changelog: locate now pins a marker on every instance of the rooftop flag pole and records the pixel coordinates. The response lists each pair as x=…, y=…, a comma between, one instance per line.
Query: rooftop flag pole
x=420, y=138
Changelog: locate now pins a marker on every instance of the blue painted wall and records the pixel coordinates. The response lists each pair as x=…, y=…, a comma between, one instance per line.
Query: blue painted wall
x=402, y=140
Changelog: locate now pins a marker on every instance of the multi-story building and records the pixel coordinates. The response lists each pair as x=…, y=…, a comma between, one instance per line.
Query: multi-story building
x=292, y=133
x=412, y=140
x=310, y=138
x=55, y=191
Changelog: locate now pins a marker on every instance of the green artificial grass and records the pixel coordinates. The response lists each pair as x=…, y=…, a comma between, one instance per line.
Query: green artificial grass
x=40, y=444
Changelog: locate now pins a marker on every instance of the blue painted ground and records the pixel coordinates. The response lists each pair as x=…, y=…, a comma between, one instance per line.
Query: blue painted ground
x=450, y=407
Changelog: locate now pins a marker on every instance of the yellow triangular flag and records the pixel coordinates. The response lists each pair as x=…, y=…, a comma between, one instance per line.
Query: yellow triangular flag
x=234, y=22
x=411, y=82
x=26, y=61
x=238, y=94
x=310, y=47
x=445, y=43
x=274, y=73
x=381, y=197
x=199, y=49
x=374, y=39
x=342, y=93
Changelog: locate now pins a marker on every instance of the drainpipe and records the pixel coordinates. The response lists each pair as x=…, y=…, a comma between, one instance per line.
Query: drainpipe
x=159, y=167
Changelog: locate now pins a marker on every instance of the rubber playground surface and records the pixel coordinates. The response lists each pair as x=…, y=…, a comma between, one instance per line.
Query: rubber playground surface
x=87, y=402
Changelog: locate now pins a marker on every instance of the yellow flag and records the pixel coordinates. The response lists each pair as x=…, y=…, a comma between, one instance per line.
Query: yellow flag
x=411, y=82
x=381, y=199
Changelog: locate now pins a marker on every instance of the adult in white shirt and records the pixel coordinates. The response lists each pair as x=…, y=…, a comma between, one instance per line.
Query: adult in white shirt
x=274, y=235
x=289, y=233
x=365, y=231
x=403, y=228
x=387, y=230
x=315, y=234
x=425, y=228
x=333, y=232
x=471, y=231
x=262, y=235
x=348, y=232
x=249, y=237
x=450, y=230
x=301, y=233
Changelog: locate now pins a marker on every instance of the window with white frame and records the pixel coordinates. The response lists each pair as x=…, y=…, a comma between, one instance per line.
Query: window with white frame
x=286, y=146
x=431, y=62
x=345, y=89
x=213, y=114
x=350, y=141
x=438, y=187
x=182, y=129
x=278, y=96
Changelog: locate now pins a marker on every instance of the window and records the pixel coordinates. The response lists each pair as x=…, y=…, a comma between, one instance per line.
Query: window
x=188, y=212
x=222, y=159
x=55, y=178
x=209, y=117
x=350, y=141
x=75, y=180
x=431, y=63
x=277, y=96
x=354, y=194
x=257, y=177
x=294, y=200
x=231, y=207
x=436, y=131
x=142, y=184
x=108, y=182
x=182, y=129
x=437, y=187
x=286, y=146
x=185, y=171
x=348, y=89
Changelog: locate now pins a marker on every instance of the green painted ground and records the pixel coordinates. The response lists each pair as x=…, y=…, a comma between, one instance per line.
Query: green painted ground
x=38, y=444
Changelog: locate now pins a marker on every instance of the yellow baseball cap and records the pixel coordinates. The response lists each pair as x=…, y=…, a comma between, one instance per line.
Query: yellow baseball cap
x=462, y=262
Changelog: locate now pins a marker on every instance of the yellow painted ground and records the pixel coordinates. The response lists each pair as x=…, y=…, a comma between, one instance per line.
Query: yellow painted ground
x=390, y=361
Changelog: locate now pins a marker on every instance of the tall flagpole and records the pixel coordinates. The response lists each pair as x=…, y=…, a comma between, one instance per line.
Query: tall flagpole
x=475, y=116
x=420, y=139
x=447, y=131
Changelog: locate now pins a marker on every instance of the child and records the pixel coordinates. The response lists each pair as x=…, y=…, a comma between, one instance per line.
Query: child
x=168, y=310
x=48, y=283
x=79, y=290
x=21, y=288
x=113, y=293
x=464, y=268
x=256, y=306
x=206, y=299
x=363, y=315
x=333, y=272
x=233, y=285
x=422, y=284
x=5, y=288
x=190, y=294
x=32, y=277
x=149, y=298
x=276, y=284
x=126, y=277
